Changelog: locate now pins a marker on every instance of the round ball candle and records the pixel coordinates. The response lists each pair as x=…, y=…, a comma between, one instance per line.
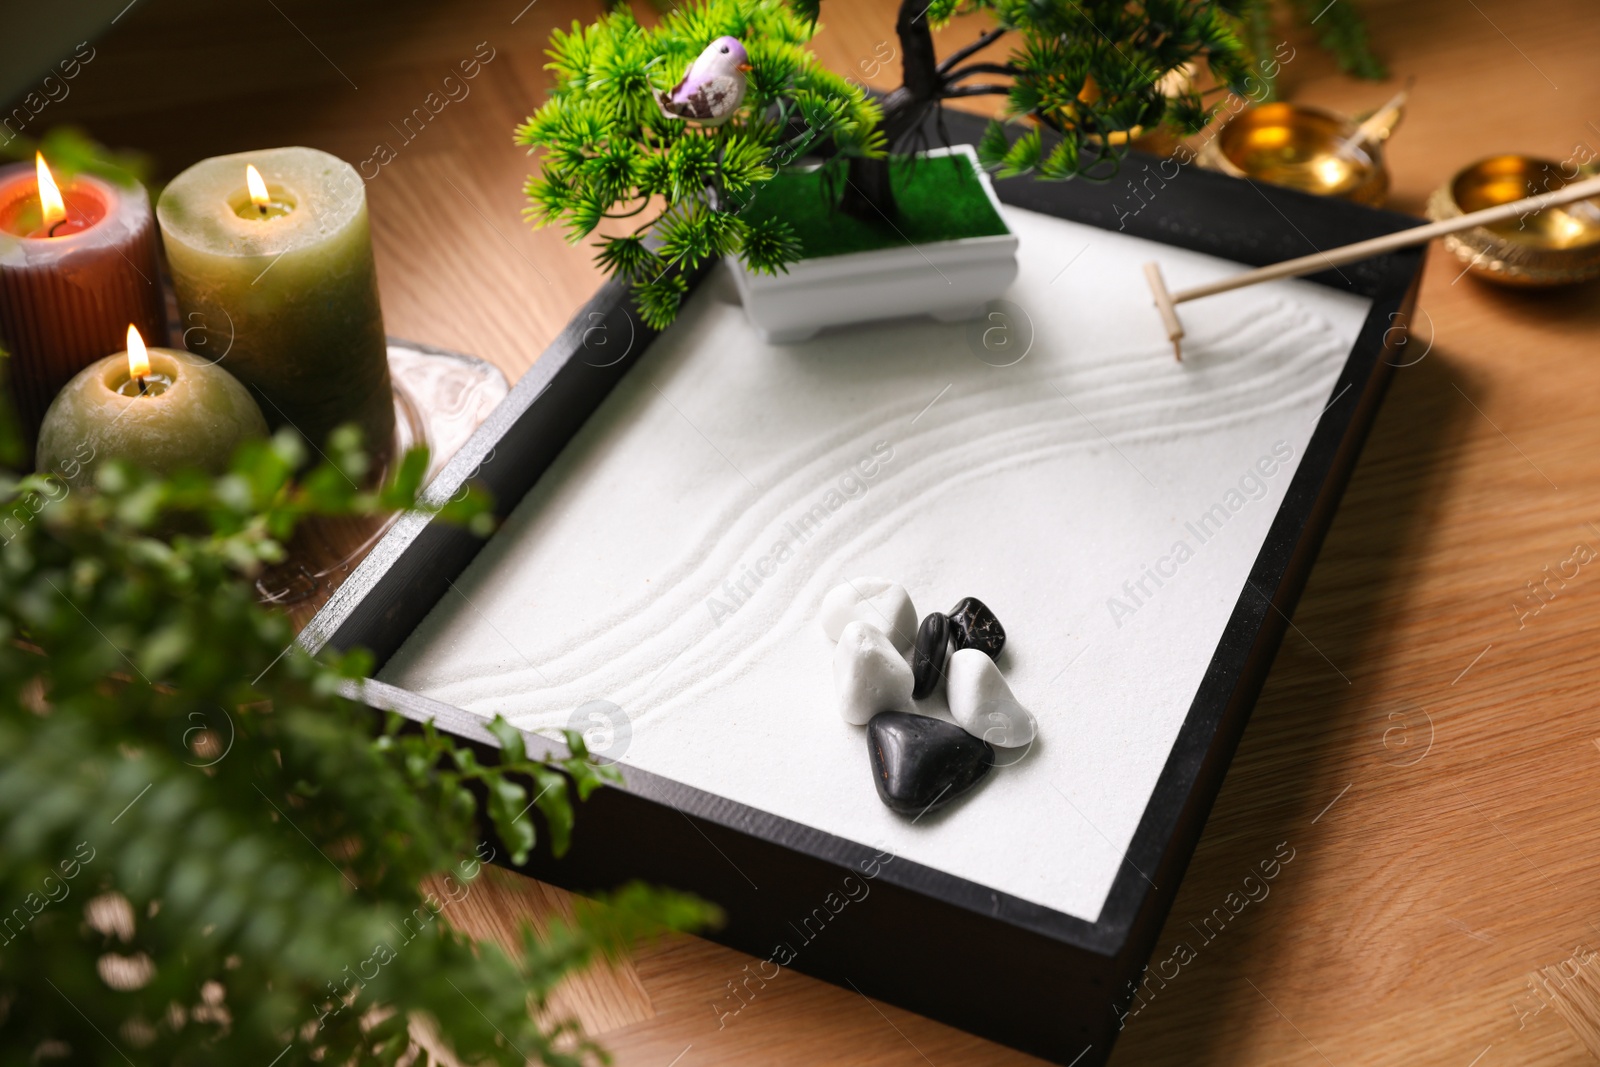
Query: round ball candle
x=160, y=408
x=280, y=277
x=77, y=264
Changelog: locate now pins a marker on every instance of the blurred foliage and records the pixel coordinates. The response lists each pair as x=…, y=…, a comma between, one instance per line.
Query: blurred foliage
x=69, y=151
x=1340, y=29
x=208, y=854
x=11, y=446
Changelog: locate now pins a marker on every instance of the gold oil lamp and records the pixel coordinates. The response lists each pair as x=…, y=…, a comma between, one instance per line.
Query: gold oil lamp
x=1308, y=148
x=1556, y=246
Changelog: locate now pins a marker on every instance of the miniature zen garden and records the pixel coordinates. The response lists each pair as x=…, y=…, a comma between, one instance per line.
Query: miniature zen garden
x=137, y=658
x=716, y=134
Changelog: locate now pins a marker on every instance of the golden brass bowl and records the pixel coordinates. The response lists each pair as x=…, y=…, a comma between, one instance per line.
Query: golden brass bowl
x=1302, y=147
x=1556, y=246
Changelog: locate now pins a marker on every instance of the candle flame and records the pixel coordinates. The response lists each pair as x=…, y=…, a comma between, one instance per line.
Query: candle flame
x=50, y=202
x=258, y=188
x=138, y=358
x=1331, y=170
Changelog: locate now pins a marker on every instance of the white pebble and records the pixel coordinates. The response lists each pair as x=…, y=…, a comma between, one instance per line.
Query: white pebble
x=878, y=602
x=869, y=674
x=981, y=701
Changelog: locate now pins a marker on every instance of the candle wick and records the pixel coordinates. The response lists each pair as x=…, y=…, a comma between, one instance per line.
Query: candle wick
x=141, y=385
x=52, y=230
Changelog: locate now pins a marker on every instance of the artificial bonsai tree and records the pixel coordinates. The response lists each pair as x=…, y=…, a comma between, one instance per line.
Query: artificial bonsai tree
x=208, y=854
x=1092, y=73
x=1089, y=72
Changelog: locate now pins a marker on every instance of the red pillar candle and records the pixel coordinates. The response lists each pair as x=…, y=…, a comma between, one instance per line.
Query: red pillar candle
x=77, y=265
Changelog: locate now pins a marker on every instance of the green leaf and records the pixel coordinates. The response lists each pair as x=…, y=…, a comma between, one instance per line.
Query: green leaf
x=1023, y=155
x=769, y=245
x=583, y=216
x=691, y=166
x=551, y=799
x=165, y=648
x=609, y=174
x=406, y=480
x=11, y=446
x=653, y=175
x=71, y=151
x=625, y=257
x=994, y=144
x=507, y=808
x=658, y=300
x=513, y=747
x=745, y=163
x=1062, y=162
x=1341, y=31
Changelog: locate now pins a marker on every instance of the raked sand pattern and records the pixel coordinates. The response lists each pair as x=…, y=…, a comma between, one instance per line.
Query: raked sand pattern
x=673, y=560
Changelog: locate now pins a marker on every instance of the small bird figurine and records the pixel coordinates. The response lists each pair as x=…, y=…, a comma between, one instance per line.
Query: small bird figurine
x=713, y=88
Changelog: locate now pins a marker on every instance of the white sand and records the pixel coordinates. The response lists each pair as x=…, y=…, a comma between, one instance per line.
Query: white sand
x=1040, y=488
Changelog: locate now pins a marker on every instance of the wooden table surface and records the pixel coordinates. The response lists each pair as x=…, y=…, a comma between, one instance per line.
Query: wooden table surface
x=1427, y=742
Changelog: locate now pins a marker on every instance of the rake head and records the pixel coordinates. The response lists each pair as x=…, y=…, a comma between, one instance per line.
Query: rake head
x=1166, y=306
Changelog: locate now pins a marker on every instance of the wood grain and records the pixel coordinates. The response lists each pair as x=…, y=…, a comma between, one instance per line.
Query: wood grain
x=1439, y=802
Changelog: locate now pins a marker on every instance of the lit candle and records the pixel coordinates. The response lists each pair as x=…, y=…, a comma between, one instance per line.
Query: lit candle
x=52, y=208
x=77, y=264
x=272, y=253
x=160, y=408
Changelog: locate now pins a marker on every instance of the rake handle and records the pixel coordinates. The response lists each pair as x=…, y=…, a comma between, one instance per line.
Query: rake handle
x=1390, y=242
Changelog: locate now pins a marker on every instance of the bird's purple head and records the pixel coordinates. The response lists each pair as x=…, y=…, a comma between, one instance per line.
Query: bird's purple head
x=730, y=51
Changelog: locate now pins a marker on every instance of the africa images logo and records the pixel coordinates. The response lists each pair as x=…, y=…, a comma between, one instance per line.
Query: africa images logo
x=1252, y=485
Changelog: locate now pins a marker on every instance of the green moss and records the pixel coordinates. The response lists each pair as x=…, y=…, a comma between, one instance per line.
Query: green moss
x=940, y=199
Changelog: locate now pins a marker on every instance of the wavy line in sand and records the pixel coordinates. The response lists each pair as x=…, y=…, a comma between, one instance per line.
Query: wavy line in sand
x=628, y=647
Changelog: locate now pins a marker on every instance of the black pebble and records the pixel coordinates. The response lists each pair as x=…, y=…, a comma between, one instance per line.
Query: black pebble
x=920, y=764
x=975, y=626
x=927, y=656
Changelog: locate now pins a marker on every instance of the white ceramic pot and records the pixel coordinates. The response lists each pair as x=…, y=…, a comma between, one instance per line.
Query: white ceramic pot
x=950, y=280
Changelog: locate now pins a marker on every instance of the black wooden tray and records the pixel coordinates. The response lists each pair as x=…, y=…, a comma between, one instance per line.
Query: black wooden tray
x=1008, y=969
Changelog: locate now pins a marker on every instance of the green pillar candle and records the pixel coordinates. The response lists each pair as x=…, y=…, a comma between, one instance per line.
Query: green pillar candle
x=162, y=409
x=280, y=287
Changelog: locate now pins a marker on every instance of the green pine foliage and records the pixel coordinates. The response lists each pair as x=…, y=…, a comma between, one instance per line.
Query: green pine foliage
x=209, y=854
x=1340, y=30
x=1085, y=69
x=1092, y=71
x=72, y=151
x=608, y=152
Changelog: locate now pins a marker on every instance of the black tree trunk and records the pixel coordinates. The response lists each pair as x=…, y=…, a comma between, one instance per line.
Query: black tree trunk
x=867, y=192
